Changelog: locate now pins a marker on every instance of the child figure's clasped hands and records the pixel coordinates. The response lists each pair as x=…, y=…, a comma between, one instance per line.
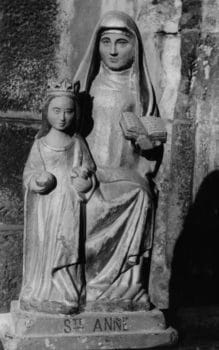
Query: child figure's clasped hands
x=81, y=179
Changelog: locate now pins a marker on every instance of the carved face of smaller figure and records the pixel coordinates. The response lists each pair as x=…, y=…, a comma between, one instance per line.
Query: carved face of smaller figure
x=117, y=49
x=61, y=112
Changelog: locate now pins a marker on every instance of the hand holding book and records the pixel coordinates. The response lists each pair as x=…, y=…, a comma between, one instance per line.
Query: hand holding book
x=144, y=130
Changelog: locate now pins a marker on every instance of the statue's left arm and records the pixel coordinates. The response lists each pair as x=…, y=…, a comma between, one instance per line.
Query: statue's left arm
x=88, y=168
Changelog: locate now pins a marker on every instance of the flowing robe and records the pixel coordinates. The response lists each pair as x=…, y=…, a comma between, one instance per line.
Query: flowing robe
x=53, y=277
x=120, y=214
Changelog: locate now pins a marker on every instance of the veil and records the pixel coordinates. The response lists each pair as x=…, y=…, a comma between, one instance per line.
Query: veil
x=90, y=64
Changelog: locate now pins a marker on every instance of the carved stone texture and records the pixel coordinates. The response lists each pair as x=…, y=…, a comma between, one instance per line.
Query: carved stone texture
x=58, y=177
x=92, y=330
x=71, y=267
x=11, y=244
x=120, y=215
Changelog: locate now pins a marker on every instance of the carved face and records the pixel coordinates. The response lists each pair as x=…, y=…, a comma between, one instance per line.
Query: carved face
x=61, y=112
x=117, y=50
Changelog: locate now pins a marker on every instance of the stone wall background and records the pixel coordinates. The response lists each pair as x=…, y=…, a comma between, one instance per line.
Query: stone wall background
x=40, y=39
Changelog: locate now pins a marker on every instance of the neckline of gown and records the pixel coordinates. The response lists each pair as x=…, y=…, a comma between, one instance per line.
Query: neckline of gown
x=56, y=149
x=116, y=80
x=116, y=75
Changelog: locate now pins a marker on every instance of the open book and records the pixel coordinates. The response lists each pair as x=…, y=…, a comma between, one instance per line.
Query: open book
x=150, y=126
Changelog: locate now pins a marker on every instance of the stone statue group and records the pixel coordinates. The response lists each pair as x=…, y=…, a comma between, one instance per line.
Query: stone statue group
x=90, y=201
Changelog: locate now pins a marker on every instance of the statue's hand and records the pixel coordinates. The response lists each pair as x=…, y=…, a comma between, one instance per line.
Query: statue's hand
x=81, y=171
x=144, y=143
x=82, y=185
x=43, y=183
x=81, y=179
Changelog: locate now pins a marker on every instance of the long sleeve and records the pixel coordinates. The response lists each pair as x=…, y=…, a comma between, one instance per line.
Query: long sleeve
x=33, y=166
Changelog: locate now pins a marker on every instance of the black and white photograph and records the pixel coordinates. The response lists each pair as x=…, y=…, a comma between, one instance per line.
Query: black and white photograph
x=109, y=174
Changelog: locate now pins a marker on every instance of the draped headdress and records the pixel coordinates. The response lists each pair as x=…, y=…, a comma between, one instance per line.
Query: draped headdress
x=90, y=64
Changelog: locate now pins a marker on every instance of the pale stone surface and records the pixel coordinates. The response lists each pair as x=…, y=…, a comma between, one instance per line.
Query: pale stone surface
x=5, y=324
x=6, y=329
x=27, y=323
x=163, y=55
x=65, y=54
x=85, y=331
x=206, y=89
x=152, y=18
x=192, y=103
x=159, y=25
x=159, y=16
x=139, y=340
x=127, y=6
x=170, y=79
x=151, y=334
x=74, y=23
x=210, y=16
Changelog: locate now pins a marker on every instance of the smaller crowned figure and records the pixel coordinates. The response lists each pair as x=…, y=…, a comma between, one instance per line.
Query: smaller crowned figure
x=59, y=178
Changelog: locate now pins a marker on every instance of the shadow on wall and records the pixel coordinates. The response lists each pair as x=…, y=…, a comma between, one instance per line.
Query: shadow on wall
x=195, y=266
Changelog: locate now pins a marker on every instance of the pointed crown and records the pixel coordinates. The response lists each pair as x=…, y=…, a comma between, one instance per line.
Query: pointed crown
x=65, y=87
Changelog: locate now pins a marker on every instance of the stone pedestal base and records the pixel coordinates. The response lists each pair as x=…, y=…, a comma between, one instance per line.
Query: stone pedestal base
x=88, y=330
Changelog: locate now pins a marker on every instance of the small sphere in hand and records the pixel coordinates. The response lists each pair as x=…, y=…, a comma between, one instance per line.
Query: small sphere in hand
x=46, y=179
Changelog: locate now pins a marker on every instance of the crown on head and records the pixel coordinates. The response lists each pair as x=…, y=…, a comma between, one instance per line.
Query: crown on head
x=65, y=87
